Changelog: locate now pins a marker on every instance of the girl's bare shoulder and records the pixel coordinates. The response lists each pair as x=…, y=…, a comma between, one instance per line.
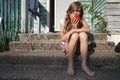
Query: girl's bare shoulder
x=83, y=20
x=62, y=22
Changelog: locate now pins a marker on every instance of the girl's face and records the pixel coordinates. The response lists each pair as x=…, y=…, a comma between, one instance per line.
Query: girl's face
x=77, y=12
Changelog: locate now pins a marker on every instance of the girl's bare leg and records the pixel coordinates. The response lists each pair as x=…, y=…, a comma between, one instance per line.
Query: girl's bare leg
x=84, y=48
x=71, y=50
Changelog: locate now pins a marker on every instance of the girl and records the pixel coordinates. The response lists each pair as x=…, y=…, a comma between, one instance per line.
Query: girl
x=73, y=32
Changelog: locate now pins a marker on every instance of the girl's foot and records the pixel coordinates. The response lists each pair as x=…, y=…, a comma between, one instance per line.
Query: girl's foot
x=70, y=72
x=88, y=71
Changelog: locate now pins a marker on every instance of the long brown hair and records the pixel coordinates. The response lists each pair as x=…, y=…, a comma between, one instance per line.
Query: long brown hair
x=73, y=6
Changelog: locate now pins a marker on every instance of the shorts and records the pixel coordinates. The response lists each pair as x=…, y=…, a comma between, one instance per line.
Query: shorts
x=63, y=48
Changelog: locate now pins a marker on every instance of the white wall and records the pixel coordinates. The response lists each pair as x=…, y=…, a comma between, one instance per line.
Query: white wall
x=23, y=16
x=114, y=38
x=60, y=11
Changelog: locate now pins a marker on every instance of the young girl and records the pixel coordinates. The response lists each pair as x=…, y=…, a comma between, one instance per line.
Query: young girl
x=73, y=33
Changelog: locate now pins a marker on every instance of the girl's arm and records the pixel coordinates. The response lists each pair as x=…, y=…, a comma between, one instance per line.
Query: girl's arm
x=64, y=36
x=62, y=33
x=85, y=27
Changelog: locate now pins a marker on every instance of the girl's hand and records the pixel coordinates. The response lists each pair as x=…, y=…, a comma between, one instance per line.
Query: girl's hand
x=74, y=23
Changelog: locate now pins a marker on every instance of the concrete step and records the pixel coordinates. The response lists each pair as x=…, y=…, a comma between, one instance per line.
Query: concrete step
x=39, y=37
x=54, y=58
x=42, y=45
x=101, y=46
x=53, y=36
x=55, y=45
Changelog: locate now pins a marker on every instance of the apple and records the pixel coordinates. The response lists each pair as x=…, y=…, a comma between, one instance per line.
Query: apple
x=75, y=16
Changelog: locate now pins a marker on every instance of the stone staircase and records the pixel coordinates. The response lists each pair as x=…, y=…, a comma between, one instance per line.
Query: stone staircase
x=45, y=49
x=39, y=42
x=51, y=42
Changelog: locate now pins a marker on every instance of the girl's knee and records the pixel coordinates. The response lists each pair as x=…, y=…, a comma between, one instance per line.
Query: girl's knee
x=83, y=35
x=74, y=36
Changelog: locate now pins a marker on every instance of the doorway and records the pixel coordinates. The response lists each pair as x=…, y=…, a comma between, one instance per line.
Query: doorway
x=51, y=16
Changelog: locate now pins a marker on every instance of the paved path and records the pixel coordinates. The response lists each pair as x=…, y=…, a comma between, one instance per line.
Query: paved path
x=38, y=72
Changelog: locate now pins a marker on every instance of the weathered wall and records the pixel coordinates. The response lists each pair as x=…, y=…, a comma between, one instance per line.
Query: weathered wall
x=113, y=17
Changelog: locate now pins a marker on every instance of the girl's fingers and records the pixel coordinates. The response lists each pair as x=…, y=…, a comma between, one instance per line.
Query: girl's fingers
x=75, y=21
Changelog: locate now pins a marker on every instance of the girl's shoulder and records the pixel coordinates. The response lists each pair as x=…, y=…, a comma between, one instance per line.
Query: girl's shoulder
x=83, y=20
x=62, y=21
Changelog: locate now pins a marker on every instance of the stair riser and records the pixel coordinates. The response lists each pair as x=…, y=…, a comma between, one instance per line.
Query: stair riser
x=34, y=46
x=97, y=36
x=102, y=47
x=50, y=46
x=54, y=36
x=52, y=60
x=38, y=37
x=33, y=60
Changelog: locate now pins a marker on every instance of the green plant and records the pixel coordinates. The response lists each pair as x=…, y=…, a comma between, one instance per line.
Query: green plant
x=99, y=22
x=8, y=34
x=3, y=42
